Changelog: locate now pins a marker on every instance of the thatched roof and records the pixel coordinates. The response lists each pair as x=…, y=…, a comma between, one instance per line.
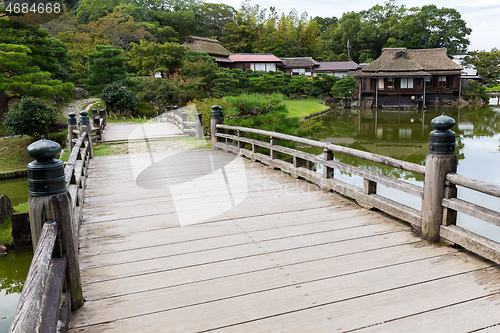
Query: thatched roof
x=304, y=62
x=412, y=60
x=210, y=46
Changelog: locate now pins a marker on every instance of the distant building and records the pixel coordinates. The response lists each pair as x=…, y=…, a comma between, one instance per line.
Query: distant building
x=403, y=77
x=337, y=68
x=255, y=61
x=210, y=46
x=299, y=66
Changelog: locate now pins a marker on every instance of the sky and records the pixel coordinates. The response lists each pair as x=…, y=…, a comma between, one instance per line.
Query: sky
x=482, y=16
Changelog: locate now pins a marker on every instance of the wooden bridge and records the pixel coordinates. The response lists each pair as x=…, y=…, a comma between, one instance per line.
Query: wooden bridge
x=206, y=240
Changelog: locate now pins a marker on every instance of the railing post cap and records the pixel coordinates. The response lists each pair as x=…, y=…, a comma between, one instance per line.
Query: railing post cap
x=45, y=174
x=84, y=113
x=443, y=122
x=72, y=118
x=43, y=150
x=215, y=107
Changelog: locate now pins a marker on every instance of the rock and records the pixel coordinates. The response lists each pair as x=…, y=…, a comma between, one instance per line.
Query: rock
x=3, y=250
x=5, y=208
x=80, y=93
x=21, y=231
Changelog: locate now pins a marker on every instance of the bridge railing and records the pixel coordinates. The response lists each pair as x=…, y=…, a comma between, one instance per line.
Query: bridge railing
x=179, y=119
x=53, y=286
x=437, y=219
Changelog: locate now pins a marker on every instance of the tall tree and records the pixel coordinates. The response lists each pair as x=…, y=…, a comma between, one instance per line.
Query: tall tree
x=148, y=58
x=19, y=77
x=487, y=65
x=213, y=17
x=106, y=65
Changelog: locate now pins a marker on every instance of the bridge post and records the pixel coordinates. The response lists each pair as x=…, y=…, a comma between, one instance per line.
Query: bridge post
x=440, y=161
x=199, y=127
x=71, y=128
x=184, y=118
x=328, y=172
x=49, y=199
x=217, y=118
x=102, y=116
x=85, y=126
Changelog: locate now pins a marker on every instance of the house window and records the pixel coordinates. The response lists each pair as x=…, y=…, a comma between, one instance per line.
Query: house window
x=271, y=67
x=390, y=83
x=406, y=83
x=442, y=80
x=340, y=74
x=381, y=84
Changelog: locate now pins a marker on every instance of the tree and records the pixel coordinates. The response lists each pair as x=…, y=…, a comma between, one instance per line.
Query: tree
x=118, y=98
x=48, y=54
x=344, y=87
x=18, y=77
x=487, y=65
x=30, y=117
x=202, y=66
x=106, y=65
x=148, y=58
x=213, y=17
x=120, y=29
x=92, y=10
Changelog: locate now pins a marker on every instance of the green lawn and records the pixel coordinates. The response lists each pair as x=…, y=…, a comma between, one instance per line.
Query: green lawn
x=304, y=107
x=13, y=154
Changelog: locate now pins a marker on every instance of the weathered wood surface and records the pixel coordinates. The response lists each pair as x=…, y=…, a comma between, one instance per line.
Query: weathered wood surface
x=262, y=252
x=28, y=315
x=125, y=132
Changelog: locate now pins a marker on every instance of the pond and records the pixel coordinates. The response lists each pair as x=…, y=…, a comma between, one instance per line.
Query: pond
x=13, y=271
x=16, y=189
x=405, y=135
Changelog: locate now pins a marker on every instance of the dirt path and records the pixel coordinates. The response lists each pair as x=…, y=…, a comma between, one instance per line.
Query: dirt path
x=79, y=105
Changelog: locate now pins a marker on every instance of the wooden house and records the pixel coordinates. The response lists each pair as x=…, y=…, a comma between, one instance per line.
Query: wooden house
x=255, y=61
x=210, y=46
x=337, y=68
x=407, y=78
x=299, y=66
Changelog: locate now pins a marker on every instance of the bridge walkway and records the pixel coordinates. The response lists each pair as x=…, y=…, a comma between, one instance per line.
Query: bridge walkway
x=198, y=241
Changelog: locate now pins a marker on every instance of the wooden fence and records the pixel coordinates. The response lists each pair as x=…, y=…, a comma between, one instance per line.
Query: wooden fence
x=179, y=119
x=297, y=163
x=53, y=287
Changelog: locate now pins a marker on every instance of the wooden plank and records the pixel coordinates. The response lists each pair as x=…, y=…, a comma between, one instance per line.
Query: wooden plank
x=377, y=290
x=51, y=300
x=473, y=210
x=347, y=257
x=29, y=308
x=472, y=242
x=474, y=184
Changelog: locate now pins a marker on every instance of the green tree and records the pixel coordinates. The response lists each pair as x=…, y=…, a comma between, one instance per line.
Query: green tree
x=92, y=10
x=212, y=18
x=148, y=58
x=344, y=87
x=118, y=98
x=106, y=65
x=18, y=77
x=487, y=65
x=202, y=66
x=30, y=117
x=475, y=92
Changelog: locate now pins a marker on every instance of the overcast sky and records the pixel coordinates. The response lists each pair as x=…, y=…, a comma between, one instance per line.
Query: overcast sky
x=482, y=16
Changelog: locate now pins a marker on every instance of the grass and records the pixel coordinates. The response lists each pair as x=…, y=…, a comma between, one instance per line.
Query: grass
x=13, y=154
x=6, y=228
x=304, y=107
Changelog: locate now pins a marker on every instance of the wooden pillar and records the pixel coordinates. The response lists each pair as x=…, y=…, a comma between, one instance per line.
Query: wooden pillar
x=440, y=161
x=328, y=172
x=241, y=144
x=85, y=126
x=72, y=126
x=217, y=118
x=49, y=199
x=198, y=126
x=273, y=153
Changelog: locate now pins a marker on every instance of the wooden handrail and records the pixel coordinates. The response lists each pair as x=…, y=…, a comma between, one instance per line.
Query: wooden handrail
x=233, y=140
x=28, y=316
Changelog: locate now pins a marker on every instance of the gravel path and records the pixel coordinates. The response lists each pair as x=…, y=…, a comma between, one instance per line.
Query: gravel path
x=78, y=106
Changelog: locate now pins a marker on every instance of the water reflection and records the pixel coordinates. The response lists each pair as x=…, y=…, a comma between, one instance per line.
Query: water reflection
x=405, y=135
x=13, y=271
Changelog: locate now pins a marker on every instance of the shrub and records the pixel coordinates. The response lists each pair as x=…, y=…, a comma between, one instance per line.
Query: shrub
x=145, y=109
x=118, y=98
x=475, y=92
x=30, y=117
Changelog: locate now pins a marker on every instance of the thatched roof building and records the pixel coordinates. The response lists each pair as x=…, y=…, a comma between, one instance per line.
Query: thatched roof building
x=399, y=61
x=210, y=46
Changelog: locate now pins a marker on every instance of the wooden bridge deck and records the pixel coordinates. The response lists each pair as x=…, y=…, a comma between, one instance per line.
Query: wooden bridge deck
x=125, y=132
x=200, y=241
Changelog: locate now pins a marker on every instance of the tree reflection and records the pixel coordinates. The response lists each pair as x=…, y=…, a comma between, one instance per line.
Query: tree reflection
x=13, y=271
